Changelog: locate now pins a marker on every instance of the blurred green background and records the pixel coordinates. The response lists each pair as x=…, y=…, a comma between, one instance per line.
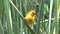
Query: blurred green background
x=47, y=16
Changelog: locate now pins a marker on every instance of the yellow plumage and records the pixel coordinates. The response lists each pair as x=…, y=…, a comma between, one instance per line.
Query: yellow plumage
x=30, y=17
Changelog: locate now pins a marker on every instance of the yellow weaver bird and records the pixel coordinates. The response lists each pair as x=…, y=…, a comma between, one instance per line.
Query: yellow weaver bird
x=30, y=17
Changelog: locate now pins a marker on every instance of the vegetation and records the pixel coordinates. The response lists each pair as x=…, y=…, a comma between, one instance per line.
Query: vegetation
x=13, y=12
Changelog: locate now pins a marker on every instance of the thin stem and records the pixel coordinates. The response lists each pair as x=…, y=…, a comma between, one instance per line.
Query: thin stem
x=32, y=30
x=51, y=4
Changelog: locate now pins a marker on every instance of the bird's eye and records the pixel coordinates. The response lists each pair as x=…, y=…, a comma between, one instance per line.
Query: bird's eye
x=33, y=13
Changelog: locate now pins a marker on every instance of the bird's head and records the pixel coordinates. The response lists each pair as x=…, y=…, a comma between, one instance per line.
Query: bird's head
x=33, y=12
